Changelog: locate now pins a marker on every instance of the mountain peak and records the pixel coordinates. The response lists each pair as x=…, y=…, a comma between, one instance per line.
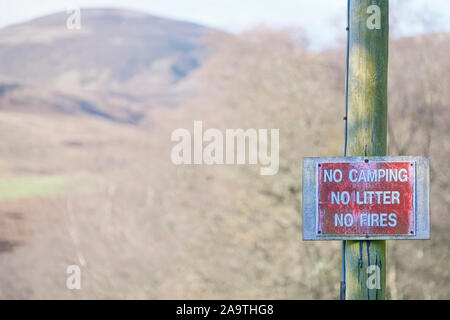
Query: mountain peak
x=112, y=45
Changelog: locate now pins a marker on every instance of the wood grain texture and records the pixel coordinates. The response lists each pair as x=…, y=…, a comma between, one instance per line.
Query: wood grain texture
x=366, y=128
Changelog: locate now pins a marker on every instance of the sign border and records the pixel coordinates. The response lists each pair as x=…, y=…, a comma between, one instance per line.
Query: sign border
x=421, y=202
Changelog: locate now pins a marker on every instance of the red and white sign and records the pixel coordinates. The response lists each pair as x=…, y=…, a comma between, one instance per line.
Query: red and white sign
x=365, y=198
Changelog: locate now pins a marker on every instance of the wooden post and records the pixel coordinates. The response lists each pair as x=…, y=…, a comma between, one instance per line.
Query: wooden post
x=365, y=261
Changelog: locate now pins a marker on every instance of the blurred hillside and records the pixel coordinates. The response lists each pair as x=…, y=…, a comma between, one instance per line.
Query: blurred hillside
x=126, y=60
x=76, y=188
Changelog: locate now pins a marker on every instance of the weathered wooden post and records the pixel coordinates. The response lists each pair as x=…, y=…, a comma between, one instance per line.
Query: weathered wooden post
x=366, y=129
x=366, y=197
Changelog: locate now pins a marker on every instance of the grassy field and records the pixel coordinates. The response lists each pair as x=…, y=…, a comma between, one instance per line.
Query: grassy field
x=30, y=187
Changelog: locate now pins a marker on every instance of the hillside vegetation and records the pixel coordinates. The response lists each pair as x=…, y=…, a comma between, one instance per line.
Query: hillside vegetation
x=140, y=227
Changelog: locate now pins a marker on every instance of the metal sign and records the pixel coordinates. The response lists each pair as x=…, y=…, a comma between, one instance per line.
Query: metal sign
x=366, y=198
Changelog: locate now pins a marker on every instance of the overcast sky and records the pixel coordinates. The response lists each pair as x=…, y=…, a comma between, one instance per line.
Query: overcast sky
x=321, y=19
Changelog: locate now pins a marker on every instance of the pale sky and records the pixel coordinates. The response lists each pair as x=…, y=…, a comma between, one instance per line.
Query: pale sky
x=321, y=19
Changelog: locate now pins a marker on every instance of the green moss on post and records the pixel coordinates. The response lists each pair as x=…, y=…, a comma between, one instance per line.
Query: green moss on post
x=366, y=130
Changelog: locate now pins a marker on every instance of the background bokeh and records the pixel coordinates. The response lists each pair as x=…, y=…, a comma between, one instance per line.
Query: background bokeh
x=86, y=177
